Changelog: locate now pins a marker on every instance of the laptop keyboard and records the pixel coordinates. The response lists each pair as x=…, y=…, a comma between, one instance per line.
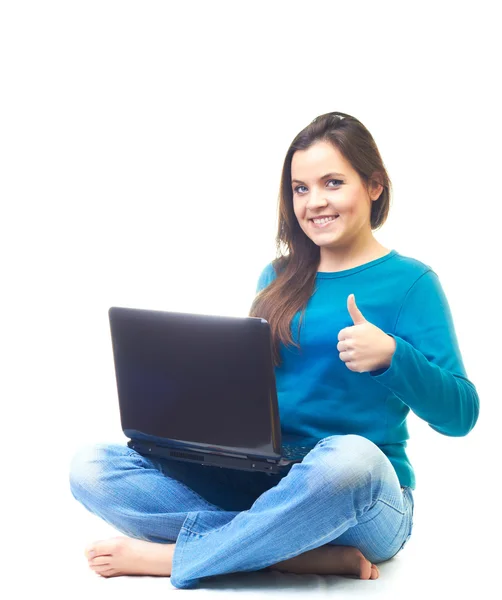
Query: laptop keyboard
x=294, y=452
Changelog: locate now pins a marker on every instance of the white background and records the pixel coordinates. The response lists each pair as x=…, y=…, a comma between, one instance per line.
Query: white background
x=141, y=149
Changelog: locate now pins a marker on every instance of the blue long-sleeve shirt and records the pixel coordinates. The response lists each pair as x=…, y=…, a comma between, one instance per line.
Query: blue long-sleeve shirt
x=319, y=396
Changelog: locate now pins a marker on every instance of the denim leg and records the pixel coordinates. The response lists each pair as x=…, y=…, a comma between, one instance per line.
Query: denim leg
x=148, y=498
x=384, y=535
x=344, y=482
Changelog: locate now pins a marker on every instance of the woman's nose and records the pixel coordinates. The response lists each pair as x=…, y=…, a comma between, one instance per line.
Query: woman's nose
x=315, y=199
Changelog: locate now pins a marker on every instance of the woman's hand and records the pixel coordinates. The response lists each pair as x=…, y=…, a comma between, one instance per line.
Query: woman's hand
x=363, y=346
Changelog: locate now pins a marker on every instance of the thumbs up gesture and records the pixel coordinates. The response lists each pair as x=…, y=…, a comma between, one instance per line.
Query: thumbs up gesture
x=363, y=346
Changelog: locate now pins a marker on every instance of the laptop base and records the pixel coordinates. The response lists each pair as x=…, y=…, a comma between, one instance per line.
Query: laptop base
x=208, y=459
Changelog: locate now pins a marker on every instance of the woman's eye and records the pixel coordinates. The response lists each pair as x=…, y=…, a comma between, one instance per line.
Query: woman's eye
x=337, y=181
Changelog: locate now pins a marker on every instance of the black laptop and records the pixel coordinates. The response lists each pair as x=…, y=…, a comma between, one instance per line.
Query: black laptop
x=200, y=388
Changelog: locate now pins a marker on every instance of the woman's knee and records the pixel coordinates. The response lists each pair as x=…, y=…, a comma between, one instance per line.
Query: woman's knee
x=351, y=457
x=353, y=443
x=91, y=463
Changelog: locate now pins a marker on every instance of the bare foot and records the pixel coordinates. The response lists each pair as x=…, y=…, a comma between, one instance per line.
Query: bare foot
x=330, y=560
x=127, y=556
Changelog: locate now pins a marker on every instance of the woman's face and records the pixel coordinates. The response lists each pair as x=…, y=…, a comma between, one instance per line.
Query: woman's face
x=325, y=185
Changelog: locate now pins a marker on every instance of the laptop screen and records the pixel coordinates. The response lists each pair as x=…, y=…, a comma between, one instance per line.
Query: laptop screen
x=195, y=378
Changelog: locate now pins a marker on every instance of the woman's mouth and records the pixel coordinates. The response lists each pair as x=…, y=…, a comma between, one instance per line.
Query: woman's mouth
x=323, y=221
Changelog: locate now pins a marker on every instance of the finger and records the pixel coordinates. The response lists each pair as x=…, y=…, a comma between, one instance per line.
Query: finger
x=346, y=356
x=342, y=346
x=344, y=334
x=355, y=314
x=352, y=366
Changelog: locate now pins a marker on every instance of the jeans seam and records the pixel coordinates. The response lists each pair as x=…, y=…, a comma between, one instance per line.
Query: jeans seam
x=391, y=506
x=204, y=533
x=182, y=550
x=374, y=516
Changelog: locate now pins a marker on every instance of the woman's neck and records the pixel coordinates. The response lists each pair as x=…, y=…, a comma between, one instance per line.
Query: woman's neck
x=333, y=260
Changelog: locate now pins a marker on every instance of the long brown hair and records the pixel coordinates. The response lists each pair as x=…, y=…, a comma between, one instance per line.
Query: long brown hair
x=297, y=258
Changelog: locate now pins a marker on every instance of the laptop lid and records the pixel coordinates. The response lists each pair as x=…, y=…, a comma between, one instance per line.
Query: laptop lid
x=197, y=381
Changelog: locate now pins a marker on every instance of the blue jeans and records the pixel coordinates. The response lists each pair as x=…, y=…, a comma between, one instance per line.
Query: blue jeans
x=344, y=492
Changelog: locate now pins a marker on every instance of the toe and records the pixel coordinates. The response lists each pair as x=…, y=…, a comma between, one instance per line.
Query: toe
x=96, y=549
x=106, y=547
x=374, y=572
x=99, y=561
x=109, y=573
x=104, y=570
x=364, y=568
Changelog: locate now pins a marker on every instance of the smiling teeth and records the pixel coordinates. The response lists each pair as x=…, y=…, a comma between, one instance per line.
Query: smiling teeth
x=325, y=220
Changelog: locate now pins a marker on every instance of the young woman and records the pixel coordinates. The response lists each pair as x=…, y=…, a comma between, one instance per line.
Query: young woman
x=361, y=335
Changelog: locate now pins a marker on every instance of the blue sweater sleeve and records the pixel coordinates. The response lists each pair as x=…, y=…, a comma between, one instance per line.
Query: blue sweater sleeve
x=266, y=277
x=427, y=371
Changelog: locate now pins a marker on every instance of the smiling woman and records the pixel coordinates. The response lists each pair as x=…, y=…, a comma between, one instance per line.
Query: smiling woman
x=334, y=192
x=377, y=340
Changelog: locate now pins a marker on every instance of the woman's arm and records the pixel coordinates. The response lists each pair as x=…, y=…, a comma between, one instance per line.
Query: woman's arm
x=266, y=277
x=427, y=372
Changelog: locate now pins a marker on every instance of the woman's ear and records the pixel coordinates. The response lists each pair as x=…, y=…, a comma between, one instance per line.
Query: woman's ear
x=376, y=185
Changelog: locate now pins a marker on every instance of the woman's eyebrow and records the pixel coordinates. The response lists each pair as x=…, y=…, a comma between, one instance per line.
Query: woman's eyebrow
x=323, y=177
